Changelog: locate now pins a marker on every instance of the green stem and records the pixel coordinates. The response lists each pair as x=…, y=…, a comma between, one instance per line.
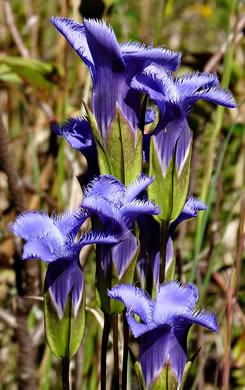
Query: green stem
x=163, y=249
x=105, y=338
x=125, y=351
x=65, y=364
x=115, y=382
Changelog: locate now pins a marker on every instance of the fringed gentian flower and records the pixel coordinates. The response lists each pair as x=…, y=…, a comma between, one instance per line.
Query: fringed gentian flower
x=150, y=240
x=118, y=207
x=175, y=98
x=52, y=239
x=164, y=325
x=112, y=67
x=78, y=134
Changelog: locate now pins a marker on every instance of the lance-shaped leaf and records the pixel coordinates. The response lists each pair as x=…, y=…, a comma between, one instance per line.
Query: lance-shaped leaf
x=164, y=326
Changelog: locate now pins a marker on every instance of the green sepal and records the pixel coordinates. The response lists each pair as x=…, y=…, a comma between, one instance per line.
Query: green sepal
x=169, y=191
x=139, y=375
x=110, y=306
x=120, y=154
x=124, y=149
x=169, y=273
x=167, y=379
x=185, y=374
x=64, y=335
x=104, y=166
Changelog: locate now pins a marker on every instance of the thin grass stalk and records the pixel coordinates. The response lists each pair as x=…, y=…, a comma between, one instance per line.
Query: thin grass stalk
x=159, y=21
x=61, y=152
x=230, y=296
x=206, y=214
x=209, y=272
x=217, y=128
x=36, y=169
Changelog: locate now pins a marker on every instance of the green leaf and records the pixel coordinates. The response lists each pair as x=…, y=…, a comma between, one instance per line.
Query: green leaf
x=64, y=335
x=36, y=73
x=167, y=379
x=181, y=185
x=186, y=372
x=169, y=191
x=139, y=375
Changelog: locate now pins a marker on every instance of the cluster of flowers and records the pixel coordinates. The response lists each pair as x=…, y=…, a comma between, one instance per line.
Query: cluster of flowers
x=127, y=166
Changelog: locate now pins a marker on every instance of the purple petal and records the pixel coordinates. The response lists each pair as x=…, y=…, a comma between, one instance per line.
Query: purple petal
x=223, y=97
x=138, y=54
x=188, y=84
x=103, y=253
x=76, y=131
x=33, y=224
x=75, y=35
x=150, y=116
x=39, y=248
x=134, y=299
x=108, y=187
x=157, y=346
x=132, y=210
x=177, y=300
x=106, y=212
x=206, y=318
x=93, y=237
x=169, y=253
x=190, y=210
x=137, y=328
x=148, y=84
x=123, y=253
x=165, y=141
x=183, y=145
x=110, y=72
x=63, y=275
x=70, y=223
x=137, y=186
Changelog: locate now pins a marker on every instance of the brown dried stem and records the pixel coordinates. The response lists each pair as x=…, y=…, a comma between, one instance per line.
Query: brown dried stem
x=13, y=29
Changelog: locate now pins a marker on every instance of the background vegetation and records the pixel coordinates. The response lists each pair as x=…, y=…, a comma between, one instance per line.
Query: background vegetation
x=42, y=80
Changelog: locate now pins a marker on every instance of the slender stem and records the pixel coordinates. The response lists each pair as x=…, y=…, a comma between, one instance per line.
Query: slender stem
x=163, y=249
x=65, y=364
x=115, y=382
x=218, y=125
x=125, y=351
x=105, y=337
